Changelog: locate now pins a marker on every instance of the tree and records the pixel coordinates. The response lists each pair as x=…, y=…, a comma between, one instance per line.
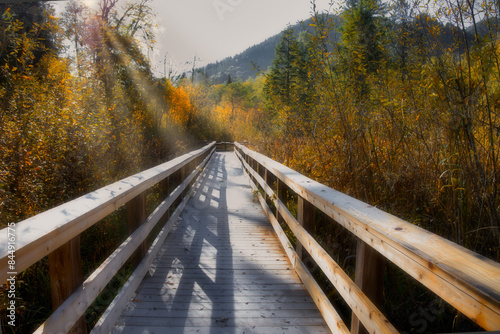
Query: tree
x=362, y=41
x=283, y=73
x=74, y=24
x=31, y=18
x=289, y=89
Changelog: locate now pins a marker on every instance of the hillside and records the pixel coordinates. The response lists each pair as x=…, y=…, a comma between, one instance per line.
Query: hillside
x=247, y=64
x=260, y=57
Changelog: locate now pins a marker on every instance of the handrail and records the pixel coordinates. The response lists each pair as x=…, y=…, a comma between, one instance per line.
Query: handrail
x=466, y=280
x=47, y=232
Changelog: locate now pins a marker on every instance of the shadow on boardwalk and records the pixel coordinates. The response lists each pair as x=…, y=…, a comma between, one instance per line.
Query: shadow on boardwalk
x=222, y=270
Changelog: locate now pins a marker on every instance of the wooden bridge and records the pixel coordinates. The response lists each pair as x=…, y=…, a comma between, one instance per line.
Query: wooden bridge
x=222, y=263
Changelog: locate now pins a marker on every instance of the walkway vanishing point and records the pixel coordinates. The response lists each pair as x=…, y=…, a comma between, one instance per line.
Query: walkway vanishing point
x=222, y=268
x=221, y=262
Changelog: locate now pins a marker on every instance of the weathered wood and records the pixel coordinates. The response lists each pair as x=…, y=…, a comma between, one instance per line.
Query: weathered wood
x=136, y=216
x=273, y=218
x=164, y=192
x=281, y=195
x=468, y=281
x=333, y=319
x=365, y=310
x=65, y=271
x=41, y=235
x=115, y=309
x=370, y=268
x=305, y=217
x=259, y=303
x=247, y=328
x=215, y=268
x=75, y=306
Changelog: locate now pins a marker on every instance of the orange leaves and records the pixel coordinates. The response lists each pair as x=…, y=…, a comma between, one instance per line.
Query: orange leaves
x=179, y=103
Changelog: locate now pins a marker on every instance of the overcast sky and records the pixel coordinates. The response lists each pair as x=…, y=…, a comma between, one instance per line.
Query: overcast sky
x=215, y=29
x=212, y=30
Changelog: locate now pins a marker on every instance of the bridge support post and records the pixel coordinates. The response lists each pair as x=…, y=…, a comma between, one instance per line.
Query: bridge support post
x=370, y=269
x=305, y=217
x=65, y=271
x=136, y=212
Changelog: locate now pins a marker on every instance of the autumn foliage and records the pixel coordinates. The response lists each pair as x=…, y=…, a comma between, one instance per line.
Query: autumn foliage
x=402, y=112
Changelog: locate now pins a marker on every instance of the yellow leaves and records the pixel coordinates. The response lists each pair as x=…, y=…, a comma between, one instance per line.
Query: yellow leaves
x=180, y=105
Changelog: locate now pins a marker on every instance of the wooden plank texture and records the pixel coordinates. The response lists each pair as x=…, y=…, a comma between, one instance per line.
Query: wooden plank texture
x=222, y=269
x=466, y=280
x=359, y=303
x=75, y=306
x=42, y=234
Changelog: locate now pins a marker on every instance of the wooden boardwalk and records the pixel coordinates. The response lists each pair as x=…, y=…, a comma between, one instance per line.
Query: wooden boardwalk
x=222, y=269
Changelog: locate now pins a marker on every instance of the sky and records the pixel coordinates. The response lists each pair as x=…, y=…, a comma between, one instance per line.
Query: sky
x=212, y=30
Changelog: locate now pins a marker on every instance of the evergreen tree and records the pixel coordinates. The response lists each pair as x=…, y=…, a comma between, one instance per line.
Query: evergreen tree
x=289, y=87
x=362, y=40
x=283, y=73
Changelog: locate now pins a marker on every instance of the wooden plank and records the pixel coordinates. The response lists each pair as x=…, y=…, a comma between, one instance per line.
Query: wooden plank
x=251, y=329
x=114, y=310
x=136, y=216
x=361, y=305
x=65, y=271
x=203, y=279
x=75, y=306
x=229, y=272
x=468, y=281
x=370, y=268
x=207, y=276
x=41, y=235
x=248, y=304
x=222, y=322
x=276, y=300
x=283, y=238
x=240, y=286
x=305, y=217
x=329, y=313
x=169, y=292
x=221, y=313
x=208, y=263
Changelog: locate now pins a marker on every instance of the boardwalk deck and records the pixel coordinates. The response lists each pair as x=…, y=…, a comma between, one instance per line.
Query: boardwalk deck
x=222, y=269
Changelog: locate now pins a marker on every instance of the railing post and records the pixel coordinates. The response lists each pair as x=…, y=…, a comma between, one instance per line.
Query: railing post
x=281, y=193
x=136, y=212
x=164, y=192
x=370, y=268
x=182, y=177
x=65, y=271
x=270, y=179
x=305, y=217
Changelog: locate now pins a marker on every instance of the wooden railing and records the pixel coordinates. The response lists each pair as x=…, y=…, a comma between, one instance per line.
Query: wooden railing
x=56, y=234
x=466, y=280
x=225, y=146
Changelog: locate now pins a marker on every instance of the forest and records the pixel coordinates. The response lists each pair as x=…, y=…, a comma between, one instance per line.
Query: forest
x=401, y=111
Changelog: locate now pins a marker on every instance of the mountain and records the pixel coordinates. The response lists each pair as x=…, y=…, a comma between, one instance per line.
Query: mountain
x=244, y=65
x=260, y=57
x=247, y=64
